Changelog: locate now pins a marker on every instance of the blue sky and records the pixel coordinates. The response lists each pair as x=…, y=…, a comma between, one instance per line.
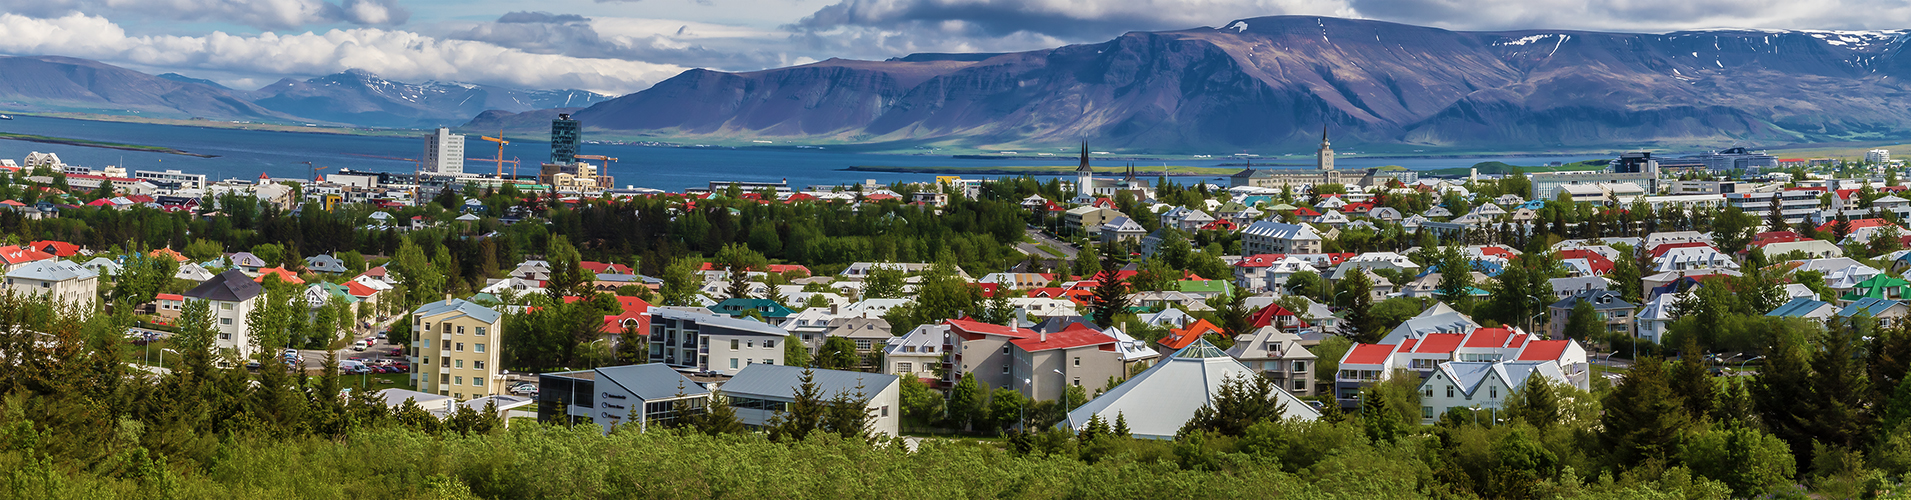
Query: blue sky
x=619, y=46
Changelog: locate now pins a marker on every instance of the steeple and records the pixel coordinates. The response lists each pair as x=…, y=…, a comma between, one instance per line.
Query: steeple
x=1084, y=166
x=1324, y=159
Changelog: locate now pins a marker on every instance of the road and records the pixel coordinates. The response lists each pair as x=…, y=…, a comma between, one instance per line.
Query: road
x=1068, y=252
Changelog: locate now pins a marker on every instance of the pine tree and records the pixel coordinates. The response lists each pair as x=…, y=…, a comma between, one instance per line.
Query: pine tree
x=1643, y=417
x=1693, y=383
x=803, y=414
x=965, y=401
x=1537, y=402
x=1110, y=299
x=1380, y=420
x=1839, y=395
x=1121, y=426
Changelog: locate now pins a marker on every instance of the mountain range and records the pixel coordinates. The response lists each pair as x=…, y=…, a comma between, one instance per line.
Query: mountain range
x=1277, y=81
x=354, y=98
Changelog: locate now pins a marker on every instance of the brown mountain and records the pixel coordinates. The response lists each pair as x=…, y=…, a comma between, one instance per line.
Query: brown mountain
x=69, y=84
x=1275, y=81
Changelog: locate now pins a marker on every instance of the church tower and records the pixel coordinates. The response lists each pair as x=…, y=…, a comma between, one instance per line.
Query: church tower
x=1324, y=158
x=1084, y=176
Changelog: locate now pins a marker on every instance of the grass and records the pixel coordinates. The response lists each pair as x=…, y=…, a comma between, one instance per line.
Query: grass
x=1051, y=170
x=1050, y=250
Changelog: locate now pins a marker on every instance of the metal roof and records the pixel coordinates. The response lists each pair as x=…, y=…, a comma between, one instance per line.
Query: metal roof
x=465, y=307
x=650, y=382
x=781, y=381
x=52, y=270
x=1157, y=402
x=230, y=286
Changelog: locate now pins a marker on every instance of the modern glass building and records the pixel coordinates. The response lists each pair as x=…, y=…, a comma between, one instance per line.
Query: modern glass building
x=566, y=135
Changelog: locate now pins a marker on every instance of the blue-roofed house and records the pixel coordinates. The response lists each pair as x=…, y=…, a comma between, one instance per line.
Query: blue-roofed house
x=771, y=311
x=607, y=396
x=1802, y=307
x=1887, y=312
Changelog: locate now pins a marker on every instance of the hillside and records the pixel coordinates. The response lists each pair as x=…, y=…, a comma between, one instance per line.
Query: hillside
x=1274, y=82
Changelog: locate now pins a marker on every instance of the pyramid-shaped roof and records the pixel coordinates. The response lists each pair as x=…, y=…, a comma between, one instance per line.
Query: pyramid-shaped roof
x=1157, y=402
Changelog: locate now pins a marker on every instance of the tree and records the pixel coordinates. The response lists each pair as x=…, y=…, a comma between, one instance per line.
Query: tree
x=920, y=404
x=1537, y=403
x=737, y=260
x=1381, y=421
x=1643, y=418
x=1357, y=291
x=803, y=414
x=1242, y=402
x=966, y=400
x=838, y=353
x=567, y=274
x=1456, y=276
x=1584, y=324
x=633, y=346
x=421, y=280
x=1307, y=283
x=1751, y=462
x=1690, y=379
x=717, y=417
x=1005, y=408
x=795, y=353
x=141, y=280
x=1110, y=299
x=1732, y=229
x=681, y=284
x=884, y=282
x=203, y=250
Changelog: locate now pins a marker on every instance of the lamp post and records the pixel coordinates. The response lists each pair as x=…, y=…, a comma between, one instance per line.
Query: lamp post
x=1741, y=365
x=162, y=356
x=593, y=352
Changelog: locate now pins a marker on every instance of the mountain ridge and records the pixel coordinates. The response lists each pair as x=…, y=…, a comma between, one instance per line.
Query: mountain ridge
x=1275, y=81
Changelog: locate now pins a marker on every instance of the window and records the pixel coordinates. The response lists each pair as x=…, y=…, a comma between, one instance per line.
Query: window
x=1449, y=391
x=1273, y=347
x=225, y=305
x=477, y=364
x=444, y=361
x=1300, y=366
x=1271, y=365
x=769, y=344
x=733, y=345
x=225, y=336
x=905, y=368
x=1300, y=385
x=1005, y=350
x=225, y=321
x=1078, y=361
x=461, y=330
x=1429, y=391
x=427, y=327
x=460, y=363
x=1005, y=368
x=1492, y=392
x=457, y=381
x=885, y=410
x=444, y=379
x=460, y=347
x=733, y=363
x=750, y=344
x=477, y=347
x=1078, y=381
x=1426, y=412
x=445, y=328
x=427, y=343
x=480, y=331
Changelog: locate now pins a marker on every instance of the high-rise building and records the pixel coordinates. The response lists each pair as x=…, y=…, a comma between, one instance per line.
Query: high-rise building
x=565, y=137
x=444, y=152
x=1878, y=156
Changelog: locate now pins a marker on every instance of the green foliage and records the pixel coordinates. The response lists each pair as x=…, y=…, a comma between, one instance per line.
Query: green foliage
x=1751, y=462
x=1241, y=403
x=838, y=353
x=794, y=352
x=966, y=402
x=681, y=283
x=1583, y=323
x=921, y=405
x=1644, y=419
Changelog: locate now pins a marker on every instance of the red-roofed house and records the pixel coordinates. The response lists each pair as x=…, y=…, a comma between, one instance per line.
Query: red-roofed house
x=1276, y=316
x=1594, y=261
x=1079, y=355
x=604, y=268
x=168, y=305
x=1183, y=337
x=168, y=252
x=1363, y=364
x=1855, y=224
x=283, y=274
x=14, y=256
x=982, y=349
x=57, y=248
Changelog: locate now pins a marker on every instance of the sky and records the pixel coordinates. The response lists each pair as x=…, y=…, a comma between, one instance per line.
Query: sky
x=622, y=46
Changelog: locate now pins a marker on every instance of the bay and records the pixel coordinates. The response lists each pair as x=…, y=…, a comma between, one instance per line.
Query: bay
x=244, y=154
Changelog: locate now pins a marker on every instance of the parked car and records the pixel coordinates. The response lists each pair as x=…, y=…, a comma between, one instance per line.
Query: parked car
x=359, y=346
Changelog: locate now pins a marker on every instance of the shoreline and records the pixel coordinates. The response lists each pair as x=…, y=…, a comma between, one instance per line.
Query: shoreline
x=97, y=144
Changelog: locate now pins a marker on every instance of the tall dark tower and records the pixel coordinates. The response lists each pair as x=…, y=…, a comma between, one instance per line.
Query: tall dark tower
x=1084, y=176
x=565, y=137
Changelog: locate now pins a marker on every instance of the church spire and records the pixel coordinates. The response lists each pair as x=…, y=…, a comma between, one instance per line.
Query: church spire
x=1084, y=167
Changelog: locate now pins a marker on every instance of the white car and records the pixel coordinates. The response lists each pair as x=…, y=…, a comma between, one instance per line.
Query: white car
x=359, y=346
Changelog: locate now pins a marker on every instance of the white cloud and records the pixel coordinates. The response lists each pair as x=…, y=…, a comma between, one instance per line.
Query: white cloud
x=268, y=14
x=399, y=55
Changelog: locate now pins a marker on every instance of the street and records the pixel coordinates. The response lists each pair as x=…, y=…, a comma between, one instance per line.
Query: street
x=1068, y=252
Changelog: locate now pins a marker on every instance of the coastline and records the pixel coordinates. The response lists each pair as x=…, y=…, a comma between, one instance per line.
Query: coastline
x=97, y=144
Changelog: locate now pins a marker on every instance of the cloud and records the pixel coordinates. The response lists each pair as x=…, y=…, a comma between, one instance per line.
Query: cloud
x=266, y=14
x=1069, y=19
x=662, y=41
x=541, y=18
x=399, y=55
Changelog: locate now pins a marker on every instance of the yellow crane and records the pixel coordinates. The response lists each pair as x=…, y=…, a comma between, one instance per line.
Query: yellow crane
x=500, y=159
x=603, y=172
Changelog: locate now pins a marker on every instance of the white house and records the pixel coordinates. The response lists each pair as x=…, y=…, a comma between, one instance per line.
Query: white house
x=1462, y=385
x=63, y=282
x=233, y=295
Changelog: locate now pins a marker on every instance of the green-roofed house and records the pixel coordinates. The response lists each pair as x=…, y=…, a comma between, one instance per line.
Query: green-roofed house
x=769, y=309
x=1206, y=289
x=1882, y=286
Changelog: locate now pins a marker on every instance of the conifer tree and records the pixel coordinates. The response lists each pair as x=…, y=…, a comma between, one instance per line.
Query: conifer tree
x=803, y=414
x=1643, y=417
x=1121, y=426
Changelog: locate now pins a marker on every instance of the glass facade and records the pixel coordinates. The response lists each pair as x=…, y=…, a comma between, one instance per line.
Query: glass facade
x=565, y=137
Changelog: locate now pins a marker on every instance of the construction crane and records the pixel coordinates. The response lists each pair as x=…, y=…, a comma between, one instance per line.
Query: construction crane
x=603, y=177
x=500, y=159
x=315, y=169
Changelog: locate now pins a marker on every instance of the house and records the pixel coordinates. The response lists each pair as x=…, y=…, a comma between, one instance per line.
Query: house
x=245, y=260
x=104, y=266
x=920, y=352
x=1267, y=237
x=1691, y=258
x=1887, y=312
x=760, y=392
x=1462, y=385
x=1078, y=355
x=281, y=273
x=13, y=256
x=709, y=342
x=1655, y=319
x=612, y=395
x=232, y=295
x=192, y=272
x=1088, y=219
x=1279, y=355
x=1121, y=229
x=769, y=310
x=1180, y=338
x=64, y=283
x=1157, y=402
x=1802, y=307
x=326, y=264
x=1440, y=318
x=869, y=334
x=1614, y=313
x=466, y=339
x=168, y=305
x=1566, y=287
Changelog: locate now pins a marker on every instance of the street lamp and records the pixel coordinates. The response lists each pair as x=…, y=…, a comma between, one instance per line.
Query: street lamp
x=592, y=352
x=162, y=356
x=1741, y=365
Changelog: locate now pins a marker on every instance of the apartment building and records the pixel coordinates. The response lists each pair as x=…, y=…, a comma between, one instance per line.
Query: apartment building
x=64, y=283
x=457, y=344
x=232, y=295
x=709, y=342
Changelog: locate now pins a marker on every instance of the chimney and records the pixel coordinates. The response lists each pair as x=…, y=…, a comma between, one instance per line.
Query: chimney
x=1044, y=336
x=447, y=297
x=833, y=309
